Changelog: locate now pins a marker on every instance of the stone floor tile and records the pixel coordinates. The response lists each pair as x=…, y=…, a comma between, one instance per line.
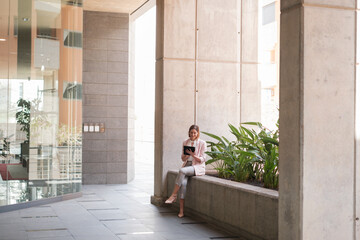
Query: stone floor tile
x=144, y=215
x=90, y=231
x=6, y=218
x=163, y=225
x=146, y=236
x=109, y=214
x=9, y=227
x=207, y=230
x=118, y=227
x=173, y=235
x=44, y=225
x=47, y=233
x=114, y=237
x=37, y=211
x=13, y=235
x=56, y=238
x=96, y=205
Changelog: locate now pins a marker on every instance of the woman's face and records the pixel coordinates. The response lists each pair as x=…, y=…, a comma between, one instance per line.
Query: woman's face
x=193, y=134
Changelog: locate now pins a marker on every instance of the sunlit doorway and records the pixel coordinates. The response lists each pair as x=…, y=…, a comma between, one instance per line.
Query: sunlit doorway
x=145, y=27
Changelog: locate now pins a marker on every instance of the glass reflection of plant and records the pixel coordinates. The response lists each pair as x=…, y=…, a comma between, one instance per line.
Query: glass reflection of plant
x=24, y=195
x=68, y=136
x=6, y=147
x=38, y=120
x=23, y=117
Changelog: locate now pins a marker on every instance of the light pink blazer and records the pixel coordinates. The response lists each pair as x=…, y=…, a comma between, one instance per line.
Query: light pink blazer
x=199, y=152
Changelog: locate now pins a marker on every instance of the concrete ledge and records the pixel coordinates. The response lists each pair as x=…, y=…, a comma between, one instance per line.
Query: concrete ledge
x=34, y=203
x=250, y=211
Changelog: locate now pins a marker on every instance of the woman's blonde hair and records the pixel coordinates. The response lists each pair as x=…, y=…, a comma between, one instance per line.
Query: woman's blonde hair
x=196, y=127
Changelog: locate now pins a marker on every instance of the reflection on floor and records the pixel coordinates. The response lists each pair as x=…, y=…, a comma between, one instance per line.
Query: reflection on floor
x=17, y=191
x=46, y=172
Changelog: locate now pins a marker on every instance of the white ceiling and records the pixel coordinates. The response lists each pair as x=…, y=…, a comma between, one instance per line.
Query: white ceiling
x=123, y=6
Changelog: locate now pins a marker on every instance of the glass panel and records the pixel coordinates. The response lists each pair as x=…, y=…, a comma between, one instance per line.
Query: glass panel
x=72, y=39
x=40, y=128
x=268, y=50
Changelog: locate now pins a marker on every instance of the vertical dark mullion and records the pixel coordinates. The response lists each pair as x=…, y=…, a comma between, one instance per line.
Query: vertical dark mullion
x=24, y=38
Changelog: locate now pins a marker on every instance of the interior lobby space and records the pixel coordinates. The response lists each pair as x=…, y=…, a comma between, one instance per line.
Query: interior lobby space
x=272, y=84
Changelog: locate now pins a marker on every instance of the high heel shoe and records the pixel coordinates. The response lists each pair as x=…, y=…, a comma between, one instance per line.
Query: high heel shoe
x=171, y=199
x=180, y=215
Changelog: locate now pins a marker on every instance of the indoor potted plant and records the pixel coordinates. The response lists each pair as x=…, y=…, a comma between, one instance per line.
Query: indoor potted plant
x=23, y=118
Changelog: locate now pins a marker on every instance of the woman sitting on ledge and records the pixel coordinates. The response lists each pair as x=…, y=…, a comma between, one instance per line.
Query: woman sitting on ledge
x=193, y=165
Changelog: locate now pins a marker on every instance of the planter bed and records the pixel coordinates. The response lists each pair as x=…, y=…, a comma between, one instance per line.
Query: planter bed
x=250, y=211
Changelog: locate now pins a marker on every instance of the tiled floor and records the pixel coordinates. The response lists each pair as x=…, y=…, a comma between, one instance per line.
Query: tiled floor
x=107, y=212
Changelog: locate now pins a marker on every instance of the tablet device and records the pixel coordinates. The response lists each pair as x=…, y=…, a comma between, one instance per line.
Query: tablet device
x=190, y=148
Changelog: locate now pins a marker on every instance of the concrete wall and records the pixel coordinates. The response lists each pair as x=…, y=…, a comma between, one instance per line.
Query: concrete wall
x=206, y=62
x=198, y=78
x=250, y=211
x=250, y=84
x=108, y=98
x=318, y=158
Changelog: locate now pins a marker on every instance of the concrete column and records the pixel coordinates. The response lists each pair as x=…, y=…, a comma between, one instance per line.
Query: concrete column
x=131, y=104
x=317, y=120
x=357, y=126
x=175, y=73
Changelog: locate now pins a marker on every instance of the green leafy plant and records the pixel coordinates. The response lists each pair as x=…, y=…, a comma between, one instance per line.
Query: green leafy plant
x=266, y=148
x=232, y=161
x=254, y=155
x=243, y=169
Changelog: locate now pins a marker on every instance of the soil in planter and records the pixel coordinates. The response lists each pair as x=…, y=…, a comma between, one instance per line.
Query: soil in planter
x=250, y=181
x=255, y=183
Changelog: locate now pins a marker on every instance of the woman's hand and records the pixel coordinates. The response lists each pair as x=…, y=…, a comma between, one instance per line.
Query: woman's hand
x=190, y=153
x=193, y=155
